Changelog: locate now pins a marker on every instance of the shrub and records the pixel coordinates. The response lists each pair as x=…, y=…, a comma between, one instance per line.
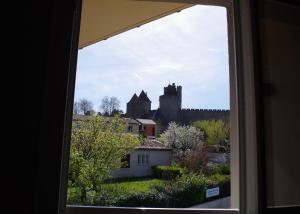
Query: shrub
x=224, y=169
x=211, y=169
x=186, y=191
x=195, y=161
x=221, y=181
x=73, y=196
x=145, y=199
x=108, y=195
x=167, y=172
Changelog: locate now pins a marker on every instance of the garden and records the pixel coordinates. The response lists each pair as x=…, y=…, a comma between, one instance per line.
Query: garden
x=96, y=150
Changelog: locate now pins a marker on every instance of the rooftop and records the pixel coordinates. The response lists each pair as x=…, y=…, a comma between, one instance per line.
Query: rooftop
x=153, y=144
x=146, y=121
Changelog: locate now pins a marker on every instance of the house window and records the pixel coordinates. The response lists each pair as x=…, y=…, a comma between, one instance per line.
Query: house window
x=143, y=159
x=147, y=158
x=130, y=128
x=125, y=161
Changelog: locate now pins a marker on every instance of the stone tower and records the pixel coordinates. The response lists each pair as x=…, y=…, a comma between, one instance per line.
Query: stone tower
x=138, y=106
x=170, y=103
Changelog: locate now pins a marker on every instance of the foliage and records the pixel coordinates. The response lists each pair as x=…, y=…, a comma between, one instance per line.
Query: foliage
x=195, y=161
x=146, y=199
x=212, y=169
x=97, y=146
x=143, y=184
x=167, y=172
x=215, y=131
x=182, y=138
x=185, y=191
x=221, y=181
x=224, y=169
x=110, y=106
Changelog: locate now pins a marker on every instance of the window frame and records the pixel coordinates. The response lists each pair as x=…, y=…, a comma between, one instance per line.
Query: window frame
x=242, y=93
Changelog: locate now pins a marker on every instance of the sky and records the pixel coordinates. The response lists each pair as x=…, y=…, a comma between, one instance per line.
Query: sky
x=189, y=48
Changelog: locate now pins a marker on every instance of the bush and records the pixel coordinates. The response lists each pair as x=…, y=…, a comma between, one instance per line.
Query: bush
x=221, y=181
x=188, y=191
x=195, y=161
x=224, y=169
x=144, y=199
x=167, y=172
x=108, y=195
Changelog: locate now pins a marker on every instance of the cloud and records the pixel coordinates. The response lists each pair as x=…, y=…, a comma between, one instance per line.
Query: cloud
x=188, y=48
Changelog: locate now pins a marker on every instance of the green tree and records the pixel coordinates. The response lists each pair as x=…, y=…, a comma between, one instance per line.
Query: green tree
x=215, y=131
x=97, y=147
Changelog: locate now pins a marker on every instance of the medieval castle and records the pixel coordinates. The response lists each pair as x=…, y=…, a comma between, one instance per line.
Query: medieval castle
x=170, y=108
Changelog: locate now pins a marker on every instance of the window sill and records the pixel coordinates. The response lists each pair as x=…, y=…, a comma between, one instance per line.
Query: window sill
x=73, y=209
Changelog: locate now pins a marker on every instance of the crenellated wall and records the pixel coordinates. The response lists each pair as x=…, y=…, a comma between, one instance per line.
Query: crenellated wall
x=186, y=116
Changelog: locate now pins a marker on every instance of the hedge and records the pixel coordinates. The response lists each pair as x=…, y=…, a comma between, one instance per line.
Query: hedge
x=167, y=172
x=186, y=191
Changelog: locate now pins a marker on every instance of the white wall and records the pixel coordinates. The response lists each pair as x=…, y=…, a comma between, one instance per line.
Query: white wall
x=156, y=157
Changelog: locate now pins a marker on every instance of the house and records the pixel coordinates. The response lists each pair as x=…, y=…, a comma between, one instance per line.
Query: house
x=139, y=162
x=133, y=126
x=147, y=127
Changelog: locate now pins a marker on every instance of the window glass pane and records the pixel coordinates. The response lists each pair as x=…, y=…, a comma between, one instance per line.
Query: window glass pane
x=153, y=108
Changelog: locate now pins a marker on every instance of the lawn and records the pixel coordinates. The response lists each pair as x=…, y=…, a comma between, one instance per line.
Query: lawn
x=134, y=184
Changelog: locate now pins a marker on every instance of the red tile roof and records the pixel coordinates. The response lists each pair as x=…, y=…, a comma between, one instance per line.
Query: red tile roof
x=153, y=144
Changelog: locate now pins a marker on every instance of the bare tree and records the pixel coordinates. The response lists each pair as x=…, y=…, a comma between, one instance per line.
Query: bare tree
x=110, y=105
x=76, y=108
x=85, y=106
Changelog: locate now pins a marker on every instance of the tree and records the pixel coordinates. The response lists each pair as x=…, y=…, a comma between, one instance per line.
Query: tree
x=182, y=139
x=76, y=108
x=110, y=105
x=215, y=131
x=97, y=147
x=85, y=106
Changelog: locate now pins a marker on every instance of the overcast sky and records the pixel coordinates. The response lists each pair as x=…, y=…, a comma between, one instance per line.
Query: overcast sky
x=188, y=48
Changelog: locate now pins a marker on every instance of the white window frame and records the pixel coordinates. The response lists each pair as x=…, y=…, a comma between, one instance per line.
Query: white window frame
x=244, y=191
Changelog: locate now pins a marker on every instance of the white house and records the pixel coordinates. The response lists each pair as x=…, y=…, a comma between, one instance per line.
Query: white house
x=139, y=162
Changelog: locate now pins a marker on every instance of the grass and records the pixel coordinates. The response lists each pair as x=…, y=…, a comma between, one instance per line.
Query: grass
x=134, y=184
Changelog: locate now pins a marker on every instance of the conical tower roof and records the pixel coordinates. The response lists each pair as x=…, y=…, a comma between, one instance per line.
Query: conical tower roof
x=143, y=96
x=134, y=98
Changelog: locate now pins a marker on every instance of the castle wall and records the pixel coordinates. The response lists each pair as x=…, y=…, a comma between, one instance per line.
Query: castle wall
x=186, y=116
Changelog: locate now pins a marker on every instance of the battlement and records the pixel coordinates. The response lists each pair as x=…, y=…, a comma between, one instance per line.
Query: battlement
x=172, y=90
x=186, y=116
x=204, y=110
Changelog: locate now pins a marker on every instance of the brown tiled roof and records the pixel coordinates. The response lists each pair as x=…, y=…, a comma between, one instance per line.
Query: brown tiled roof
x=153, y=144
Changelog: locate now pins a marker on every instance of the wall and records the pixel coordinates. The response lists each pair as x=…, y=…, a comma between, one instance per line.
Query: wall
x=149, y=130
x=185, y=116
x=135, y=128
x=156, y=157
x=280, y=67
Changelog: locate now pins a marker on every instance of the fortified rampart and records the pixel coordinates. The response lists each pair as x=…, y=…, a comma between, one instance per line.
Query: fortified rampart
x=186, y=116
x=170, y=108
